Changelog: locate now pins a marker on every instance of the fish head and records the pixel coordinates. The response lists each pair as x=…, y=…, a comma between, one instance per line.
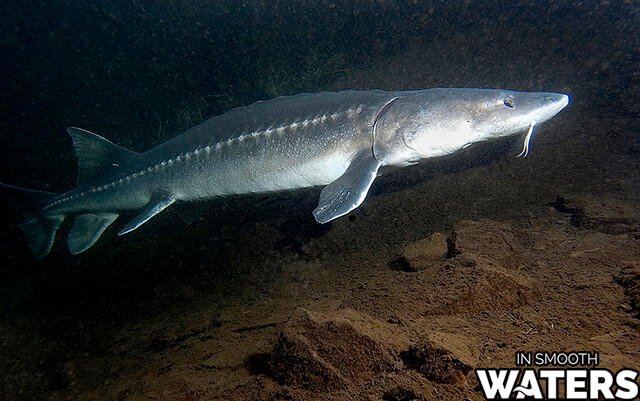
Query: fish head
x=436, y=122
x=494, y=113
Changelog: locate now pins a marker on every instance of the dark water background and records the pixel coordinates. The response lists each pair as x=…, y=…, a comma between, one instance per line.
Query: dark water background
x=140, y=72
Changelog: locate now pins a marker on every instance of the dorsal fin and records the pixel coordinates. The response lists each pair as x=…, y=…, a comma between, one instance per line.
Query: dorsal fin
x=95, y=154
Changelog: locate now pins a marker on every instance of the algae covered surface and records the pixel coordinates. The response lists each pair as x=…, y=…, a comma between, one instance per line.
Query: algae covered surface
x=449, y=266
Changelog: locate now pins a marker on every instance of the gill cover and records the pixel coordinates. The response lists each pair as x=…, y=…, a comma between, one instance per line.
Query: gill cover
x=392, y=122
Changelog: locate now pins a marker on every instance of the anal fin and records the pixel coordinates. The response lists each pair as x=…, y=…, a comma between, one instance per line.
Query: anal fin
x=87, y=228
x=158, y=202
x=349, y=190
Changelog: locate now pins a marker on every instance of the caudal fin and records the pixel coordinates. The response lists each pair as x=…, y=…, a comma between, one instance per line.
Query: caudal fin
x=39, y=229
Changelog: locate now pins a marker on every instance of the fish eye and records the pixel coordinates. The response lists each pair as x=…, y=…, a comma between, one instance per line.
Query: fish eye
x=508, y=103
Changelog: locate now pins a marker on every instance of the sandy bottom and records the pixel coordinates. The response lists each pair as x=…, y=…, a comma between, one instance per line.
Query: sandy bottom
x=412, y=328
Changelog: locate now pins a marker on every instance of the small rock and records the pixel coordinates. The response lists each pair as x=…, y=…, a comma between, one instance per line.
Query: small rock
x=629, y=279
x=442, y=357
x=436, y=364
x=485, y=288
x=490, y=241
x=427, y=252
x=325, y=354
x=399, y=394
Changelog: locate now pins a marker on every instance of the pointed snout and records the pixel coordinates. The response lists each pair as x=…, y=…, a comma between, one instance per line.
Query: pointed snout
x=559, y=99
x=542, y=106
x=557, y=102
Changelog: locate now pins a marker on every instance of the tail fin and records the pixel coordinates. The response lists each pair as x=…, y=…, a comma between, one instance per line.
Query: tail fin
x=39, y=229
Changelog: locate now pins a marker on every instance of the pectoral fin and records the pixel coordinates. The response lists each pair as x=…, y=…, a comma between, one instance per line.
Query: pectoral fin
x=87, y=228
x=157, y=203
x=349, y=190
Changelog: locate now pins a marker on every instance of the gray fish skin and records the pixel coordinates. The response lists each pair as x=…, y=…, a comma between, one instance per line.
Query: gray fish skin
x=285, y=143
x=338, y=139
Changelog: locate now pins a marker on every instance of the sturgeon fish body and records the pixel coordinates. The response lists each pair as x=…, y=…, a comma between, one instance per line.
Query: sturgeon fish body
x=336, y=139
